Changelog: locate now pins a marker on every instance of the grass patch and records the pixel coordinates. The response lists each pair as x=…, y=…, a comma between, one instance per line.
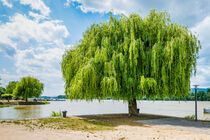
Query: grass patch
x=192, y=117
x=45, y=102
x=56, y=114
x=1, y=106
x=84, y=123
x=72, y=123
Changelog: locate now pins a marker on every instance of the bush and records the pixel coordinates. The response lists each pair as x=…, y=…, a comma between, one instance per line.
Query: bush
x=190, y=117
x=56, y=114
x=45, y=102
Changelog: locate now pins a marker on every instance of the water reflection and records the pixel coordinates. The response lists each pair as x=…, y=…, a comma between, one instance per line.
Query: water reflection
x=170, y=108
x=27, y=111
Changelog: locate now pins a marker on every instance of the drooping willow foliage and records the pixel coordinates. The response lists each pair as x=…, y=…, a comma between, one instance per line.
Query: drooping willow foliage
x=131, y=57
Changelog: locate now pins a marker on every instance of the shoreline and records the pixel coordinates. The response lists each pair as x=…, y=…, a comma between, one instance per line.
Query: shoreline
x=90, y=115
x=110, y=126
x=21, y=102
x=105, y=107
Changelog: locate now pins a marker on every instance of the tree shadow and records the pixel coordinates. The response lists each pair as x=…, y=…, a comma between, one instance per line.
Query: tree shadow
x=178, y=122
x=115, y=120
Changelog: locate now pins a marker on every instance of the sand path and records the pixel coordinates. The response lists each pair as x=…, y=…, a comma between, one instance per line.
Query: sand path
x=180, y=124
x=123, y=132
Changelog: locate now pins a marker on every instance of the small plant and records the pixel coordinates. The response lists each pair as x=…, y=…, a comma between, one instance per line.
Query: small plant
x=56, y=114
x=192, y=117
x=45, y=102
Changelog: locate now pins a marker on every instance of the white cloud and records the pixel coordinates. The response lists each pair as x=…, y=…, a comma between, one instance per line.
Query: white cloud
x=6, y=77
x=181, y=11
x=40, y=60
x=202, y=77
x=104, y=6
x=40, y=63
x=24, y=29
x=39, y=46
x=202, y=29
x=43, y=64
x=36, y=16
x=37, y=5
x=6, y=3
x=67, y=3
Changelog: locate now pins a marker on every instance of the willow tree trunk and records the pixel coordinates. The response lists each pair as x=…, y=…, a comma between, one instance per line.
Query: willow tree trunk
x=132, y=108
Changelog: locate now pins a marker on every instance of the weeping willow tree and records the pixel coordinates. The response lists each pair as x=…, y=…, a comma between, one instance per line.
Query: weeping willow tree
x=128, y=58
x=28, y=87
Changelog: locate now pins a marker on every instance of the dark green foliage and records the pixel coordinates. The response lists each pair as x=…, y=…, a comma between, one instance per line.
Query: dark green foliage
x=61, y=96
x=131, y=58
x=2, y=90
x=201, y=96
x=28, y=87
x=208, y=90
x=7, y=96
x=11, y=86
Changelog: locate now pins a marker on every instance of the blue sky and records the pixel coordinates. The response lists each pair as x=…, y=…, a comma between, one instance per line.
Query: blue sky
x=35, y=33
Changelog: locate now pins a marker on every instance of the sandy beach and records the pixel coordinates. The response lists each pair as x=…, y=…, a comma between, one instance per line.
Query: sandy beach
x=121, y=132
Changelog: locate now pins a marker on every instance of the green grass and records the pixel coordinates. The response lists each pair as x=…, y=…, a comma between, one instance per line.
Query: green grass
x=192, y=117
x=1, y=106
x=63, y=123
x=45, y=102
x=85, y=123
x=56, y=114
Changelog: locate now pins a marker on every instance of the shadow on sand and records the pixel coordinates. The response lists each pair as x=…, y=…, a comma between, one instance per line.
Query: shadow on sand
x=119, y=119
x=181, y=124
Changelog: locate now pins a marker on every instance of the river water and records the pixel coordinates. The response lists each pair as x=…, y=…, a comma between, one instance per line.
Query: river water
x=169, y=108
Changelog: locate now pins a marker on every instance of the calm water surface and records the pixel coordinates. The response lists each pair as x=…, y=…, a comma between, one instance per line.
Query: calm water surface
x=170, y=108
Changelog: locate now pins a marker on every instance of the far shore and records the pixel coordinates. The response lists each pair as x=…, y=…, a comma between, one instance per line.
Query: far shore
x=112, y=126
x=21, y=102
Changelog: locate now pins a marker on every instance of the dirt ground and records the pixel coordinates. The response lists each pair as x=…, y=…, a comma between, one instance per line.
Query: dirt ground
x=121, y=132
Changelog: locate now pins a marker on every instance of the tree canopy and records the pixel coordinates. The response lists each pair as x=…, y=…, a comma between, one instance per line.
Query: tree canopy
x=208, y=90
x=28, y=87
x=131, y=57
x=7, y=96
x=2, y=90
x=11, y=86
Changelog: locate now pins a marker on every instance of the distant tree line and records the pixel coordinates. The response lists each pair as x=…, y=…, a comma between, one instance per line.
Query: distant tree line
x=26, y=88
x=201, y=96
x=53, y=97
x=61, y=96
